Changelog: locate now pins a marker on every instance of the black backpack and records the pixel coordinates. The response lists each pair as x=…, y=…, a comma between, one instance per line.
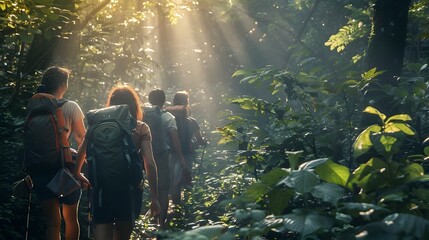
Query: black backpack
x=184, y=129
x=153, y=118
x=185, y=134
x=111, y=153
x=45, y=141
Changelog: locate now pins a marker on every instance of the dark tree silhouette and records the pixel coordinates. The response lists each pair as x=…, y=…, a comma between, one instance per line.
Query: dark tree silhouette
x=386, y=46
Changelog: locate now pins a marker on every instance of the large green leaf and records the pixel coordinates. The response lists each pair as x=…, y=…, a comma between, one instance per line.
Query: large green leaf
x=332, y=172
x=256, y=191
x=302, y=181
x=267, y=183
x=306, y=222
x=204, y=232
x=273, y=176
x=397, y=226
x=328, y=192
x=393, y=127
x=356, y=209
x=278, y=200
x=363, y=143
x=399, y=117
x=312, y=164
x=369, y=175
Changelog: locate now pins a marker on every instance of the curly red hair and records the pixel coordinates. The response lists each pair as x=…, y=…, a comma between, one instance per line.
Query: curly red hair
x=124, y=94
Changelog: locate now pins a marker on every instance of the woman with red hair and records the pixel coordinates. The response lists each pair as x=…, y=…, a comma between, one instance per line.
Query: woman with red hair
x=111, y=221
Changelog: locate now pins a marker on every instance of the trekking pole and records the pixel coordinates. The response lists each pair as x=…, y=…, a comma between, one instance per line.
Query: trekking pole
x=201, y=162
x=89, y=215
x=28, y=217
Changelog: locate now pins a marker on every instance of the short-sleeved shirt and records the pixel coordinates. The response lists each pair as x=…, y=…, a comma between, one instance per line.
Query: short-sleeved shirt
x=168, y=122
x=142, y=133
x=72, y=113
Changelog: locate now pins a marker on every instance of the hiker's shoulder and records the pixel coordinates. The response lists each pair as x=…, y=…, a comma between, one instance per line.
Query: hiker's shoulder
x=71, y=108
x=167, y=115
x=142, y=128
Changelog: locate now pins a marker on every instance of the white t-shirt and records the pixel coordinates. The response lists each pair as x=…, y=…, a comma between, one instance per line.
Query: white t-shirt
x=72, y=112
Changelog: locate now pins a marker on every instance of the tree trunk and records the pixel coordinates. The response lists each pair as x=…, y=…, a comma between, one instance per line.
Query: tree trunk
x=386, y=48
x=387, y=43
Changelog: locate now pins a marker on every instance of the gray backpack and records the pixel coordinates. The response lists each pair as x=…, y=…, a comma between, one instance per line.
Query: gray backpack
x=153, y=118
x=111, y=153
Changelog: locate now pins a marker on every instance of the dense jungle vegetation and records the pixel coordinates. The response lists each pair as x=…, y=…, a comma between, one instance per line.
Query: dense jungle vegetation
x=316, y=111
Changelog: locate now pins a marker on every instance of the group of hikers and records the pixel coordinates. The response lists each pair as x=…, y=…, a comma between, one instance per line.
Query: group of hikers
x=119, y=142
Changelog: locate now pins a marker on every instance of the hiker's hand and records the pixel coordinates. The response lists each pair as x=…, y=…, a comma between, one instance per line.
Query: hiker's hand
x=186, y=176
x=155, y=207
x=84, y=182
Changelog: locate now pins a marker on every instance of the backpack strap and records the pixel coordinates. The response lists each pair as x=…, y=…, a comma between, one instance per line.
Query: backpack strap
x=130, y=152
x=63, y=141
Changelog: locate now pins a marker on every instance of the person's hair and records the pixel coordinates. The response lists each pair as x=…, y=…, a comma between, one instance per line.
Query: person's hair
x=123, y=94
x=53, y=78
x=181, y=98
x=157, y=97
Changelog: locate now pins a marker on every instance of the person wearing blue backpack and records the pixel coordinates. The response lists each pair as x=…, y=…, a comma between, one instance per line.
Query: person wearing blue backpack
x=165, y=143
x=116, y=146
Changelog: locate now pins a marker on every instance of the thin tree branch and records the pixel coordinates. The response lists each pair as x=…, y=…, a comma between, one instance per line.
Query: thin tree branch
x=91, y=14
x=302, y=30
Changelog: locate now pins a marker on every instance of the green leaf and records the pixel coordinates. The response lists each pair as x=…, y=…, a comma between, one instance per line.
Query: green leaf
x=332, y=172
x=294, y=158
x=392, y=198
x=422, y=194
x=26, y=37
x=357, y=209
x=393, y=127
x=386, y=144
x=363, y=143
x=370, y=74
x=278, y=200
x=328, y=192
x=306, y=222
x=409, y=225
x=302, y=181
x=274, y=176
x=312, y=164
x=210, y=232
x=413, y=172
x=399, y=117
x=369, y=175
x=374, y=111
x=257, y=190
x=343, y=217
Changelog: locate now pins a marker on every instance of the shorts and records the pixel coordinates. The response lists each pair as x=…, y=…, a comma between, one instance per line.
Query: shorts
x=116, y=204
x=163, y=166
x=176, y=175
x=42, y=177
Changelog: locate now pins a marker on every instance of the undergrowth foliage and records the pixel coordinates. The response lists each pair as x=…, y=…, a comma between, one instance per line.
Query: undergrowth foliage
x=318, y=174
